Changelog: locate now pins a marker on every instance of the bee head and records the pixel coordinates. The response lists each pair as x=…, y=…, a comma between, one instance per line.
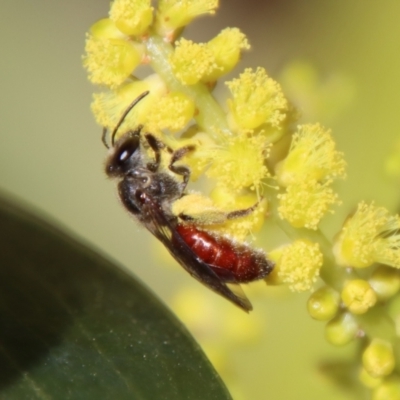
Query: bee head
x=125, y=155
x=125, y=152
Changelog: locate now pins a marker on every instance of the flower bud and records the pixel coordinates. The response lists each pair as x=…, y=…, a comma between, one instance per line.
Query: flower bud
x=378, y=358
x=388, y=390
x=323, y=304
x=341, y=330
x=358, y=296
x=385, y=281
x=368, y=380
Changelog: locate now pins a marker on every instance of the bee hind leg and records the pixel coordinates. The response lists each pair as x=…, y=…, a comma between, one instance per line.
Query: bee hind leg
x=242, y=213
x=199, y=209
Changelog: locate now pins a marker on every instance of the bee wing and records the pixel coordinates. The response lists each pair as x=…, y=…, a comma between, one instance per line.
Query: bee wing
x=164, y=230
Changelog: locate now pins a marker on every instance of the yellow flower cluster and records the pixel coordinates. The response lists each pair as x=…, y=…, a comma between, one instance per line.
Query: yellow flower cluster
x=250, y=165
x=232, y=146
x=180, y=101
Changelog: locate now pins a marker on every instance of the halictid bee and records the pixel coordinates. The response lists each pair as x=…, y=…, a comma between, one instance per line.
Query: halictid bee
x=148, y=192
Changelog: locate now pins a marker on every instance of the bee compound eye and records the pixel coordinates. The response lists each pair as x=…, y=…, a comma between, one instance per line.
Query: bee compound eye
x=127, y=149
x=124, y=156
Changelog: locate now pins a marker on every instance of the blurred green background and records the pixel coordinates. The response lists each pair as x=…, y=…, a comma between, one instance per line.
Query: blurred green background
x=51, y=155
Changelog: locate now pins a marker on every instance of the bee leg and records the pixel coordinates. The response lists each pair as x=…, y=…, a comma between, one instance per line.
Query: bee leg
x=215, y=216
x=181, y=169
x=156, y=145
x=103, y=137
x=242, y=213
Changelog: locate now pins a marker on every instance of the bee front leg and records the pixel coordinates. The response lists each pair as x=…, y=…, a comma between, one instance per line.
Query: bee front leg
x=156, y=145
x=182, y=170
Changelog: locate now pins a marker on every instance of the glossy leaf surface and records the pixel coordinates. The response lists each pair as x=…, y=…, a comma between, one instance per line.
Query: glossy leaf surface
x=75, y=326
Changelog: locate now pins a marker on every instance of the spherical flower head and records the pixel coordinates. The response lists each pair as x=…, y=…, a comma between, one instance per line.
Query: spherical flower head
x=378, y=358
x=132, y=17
x=226, y=48
x=256, y=99
x=297, y=265
x=191, y=61
x=305, y=203
x=110, y=61
x=175, y=14
x=173, y=112
x=108, y=107
x=312, y=155
x=358, y=296
x=240, y=163
x=369, y=235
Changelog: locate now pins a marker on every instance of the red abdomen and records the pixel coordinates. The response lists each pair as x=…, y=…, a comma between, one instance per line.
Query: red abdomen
x=231, y=261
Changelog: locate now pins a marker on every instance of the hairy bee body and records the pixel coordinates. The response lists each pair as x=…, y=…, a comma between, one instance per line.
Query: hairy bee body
x=148, y=193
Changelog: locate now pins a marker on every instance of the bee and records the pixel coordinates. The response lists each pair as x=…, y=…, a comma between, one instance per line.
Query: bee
x=148, y=191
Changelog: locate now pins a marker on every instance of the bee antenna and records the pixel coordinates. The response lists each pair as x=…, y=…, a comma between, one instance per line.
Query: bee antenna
x=126, y=112
x=122, y=119
x=103, y=138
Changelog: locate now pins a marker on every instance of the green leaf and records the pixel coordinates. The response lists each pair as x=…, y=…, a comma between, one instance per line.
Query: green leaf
x=75, y=326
